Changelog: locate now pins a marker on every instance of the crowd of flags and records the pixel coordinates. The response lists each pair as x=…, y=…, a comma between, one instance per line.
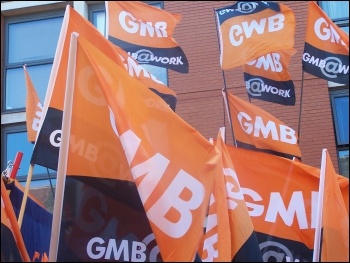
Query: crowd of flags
x=135, y=182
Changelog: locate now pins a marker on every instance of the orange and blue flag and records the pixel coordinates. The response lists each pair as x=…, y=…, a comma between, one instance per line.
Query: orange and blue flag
x=326, y=50
x=256, y=129
x=146, y=33
x=248, y=30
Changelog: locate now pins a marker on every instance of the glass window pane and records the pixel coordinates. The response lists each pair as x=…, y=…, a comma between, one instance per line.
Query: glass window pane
x=346, y=29
x=158, y=72
x=99, y=20
x=342, y=119
x=33, y=40
x=336, y=9
x=18, y=142
x=16, y=86
x=344, y=163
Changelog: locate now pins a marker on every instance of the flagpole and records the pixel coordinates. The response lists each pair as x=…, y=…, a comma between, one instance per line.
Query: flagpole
x=15, y=166
x=301, y=100
x=317, y=240
x=63, y=153
x=225, y=89
x=25, y=195
x=14, y=169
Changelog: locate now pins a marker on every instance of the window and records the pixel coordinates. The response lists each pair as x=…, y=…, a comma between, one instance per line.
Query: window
x=31, y=40
x=24, y=38
x=340, y=110
x=97, y=16
x=338, y=11
x=16, y=141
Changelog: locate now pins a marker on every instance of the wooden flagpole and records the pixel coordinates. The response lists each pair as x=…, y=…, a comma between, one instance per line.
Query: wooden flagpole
x=25, y=195
x=63, y=153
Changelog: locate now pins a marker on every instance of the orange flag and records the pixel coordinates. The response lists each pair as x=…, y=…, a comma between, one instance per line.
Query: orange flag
x=44, y=258
x=256, y=129
x=173, y=191
x=248, y=30
x=230, y=235
x=281, y=196
x=12, y=245
x=46, y=149
x=267, y=78
x=326, y=51
x=216, y=243
x=332, y=227
x=33, y=108
x=146, y=32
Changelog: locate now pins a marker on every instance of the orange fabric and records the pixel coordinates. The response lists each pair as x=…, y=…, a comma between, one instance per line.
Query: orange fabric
x=94, y=149
x=8, y=218
x=44, y=258
x=229, y=224
x=323, y=34
x=33, y=108
x=246, y=34
x=273, y=184
x=273, y=65
x=335, y=223
x=216, y=243
x=161, y=24
x=74, y=22
x=174, y=192
x=254, y=126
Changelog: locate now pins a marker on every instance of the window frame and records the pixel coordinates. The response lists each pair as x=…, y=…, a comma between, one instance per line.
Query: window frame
x=14, y=128
x=340, y=21
x=337, y=93
x=23, y=18
x=13, y=120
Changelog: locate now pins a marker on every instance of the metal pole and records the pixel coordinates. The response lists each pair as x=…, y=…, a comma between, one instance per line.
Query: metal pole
x=301, y=100
x=225, y=89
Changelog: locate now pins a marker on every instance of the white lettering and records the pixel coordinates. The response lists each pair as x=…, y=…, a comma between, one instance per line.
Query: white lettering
x=171, y=200
x=326, y=32
x=131, y=25
x=274, y=23
x=55, y=138
x=112, y=251
x=296, y=206
x=287, y=134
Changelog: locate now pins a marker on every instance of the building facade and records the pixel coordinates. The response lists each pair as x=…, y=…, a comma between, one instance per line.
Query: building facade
x=29, y=34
